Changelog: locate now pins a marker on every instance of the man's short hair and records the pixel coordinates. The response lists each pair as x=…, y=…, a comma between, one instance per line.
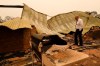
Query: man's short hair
x=76, y=17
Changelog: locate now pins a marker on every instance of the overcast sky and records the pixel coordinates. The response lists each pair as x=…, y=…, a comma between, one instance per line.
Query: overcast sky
x=50, y=7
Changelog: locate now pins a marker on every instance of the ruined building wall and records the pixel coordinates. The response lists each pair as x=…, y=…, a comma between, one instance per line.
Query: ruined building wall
x=13, y=40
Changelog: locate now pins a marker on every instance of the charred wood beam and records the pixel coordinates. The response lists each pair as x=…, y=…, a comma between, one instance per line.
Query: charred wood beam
x=11, y=6
x=47, y=41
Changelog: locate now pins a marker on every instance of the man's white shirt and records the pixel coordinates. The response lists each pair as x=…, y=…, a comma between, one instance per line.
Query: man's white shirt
x=79, y=24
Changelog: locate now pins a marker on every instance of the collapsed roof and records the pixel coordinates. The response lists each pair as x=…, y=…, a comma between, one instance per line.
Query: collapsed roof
x=61, y=23
x=64, y=23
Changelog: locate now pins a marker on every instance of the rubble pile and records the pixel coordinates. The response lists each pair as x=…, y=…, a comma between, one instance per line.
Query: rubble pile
x=59, y=55
x=93, y=33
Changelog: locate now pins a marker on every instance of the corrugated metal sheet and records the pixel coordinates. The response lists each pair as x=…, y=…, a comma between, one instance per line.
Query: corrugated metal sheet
x=65, y=22
x=38, y=19
x=16, y=23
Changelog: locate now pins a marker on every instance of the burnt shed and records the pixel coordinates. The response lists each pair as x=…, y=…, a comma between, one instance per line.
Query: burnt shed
x=15, y=35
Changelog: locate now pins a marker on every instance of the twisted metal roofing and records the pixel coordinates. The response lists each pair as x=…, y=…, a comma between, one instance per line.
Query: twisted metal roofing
x=16, y=23
x=65, y=22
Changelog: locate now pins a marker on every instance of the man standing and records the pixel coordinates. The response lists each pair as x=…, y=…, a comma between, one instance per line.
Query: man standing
x=79, y=29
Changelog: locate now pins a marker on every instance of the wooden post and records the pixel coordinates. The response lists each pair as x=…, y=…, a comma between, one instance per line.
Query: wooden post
x=32, y=54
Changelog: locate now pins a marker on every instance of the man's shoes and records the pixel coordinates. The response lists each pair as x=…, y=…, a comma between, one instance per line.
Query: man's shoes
x=75, y=44
x=80, y=45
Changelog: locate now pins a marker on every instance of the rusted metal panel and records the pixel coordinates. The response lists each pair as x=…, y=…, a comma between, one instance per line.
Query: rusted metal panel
x=14, y=40
x=63, y=58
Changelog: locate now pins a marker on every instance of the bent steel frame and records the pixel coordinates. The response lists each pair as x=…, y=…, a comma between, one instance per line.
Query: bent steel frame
x=11, y=6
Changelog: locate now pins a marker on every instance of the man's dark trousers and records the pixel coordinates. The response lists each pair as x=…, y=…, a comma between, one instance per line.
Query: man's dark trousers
x=78, y=37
